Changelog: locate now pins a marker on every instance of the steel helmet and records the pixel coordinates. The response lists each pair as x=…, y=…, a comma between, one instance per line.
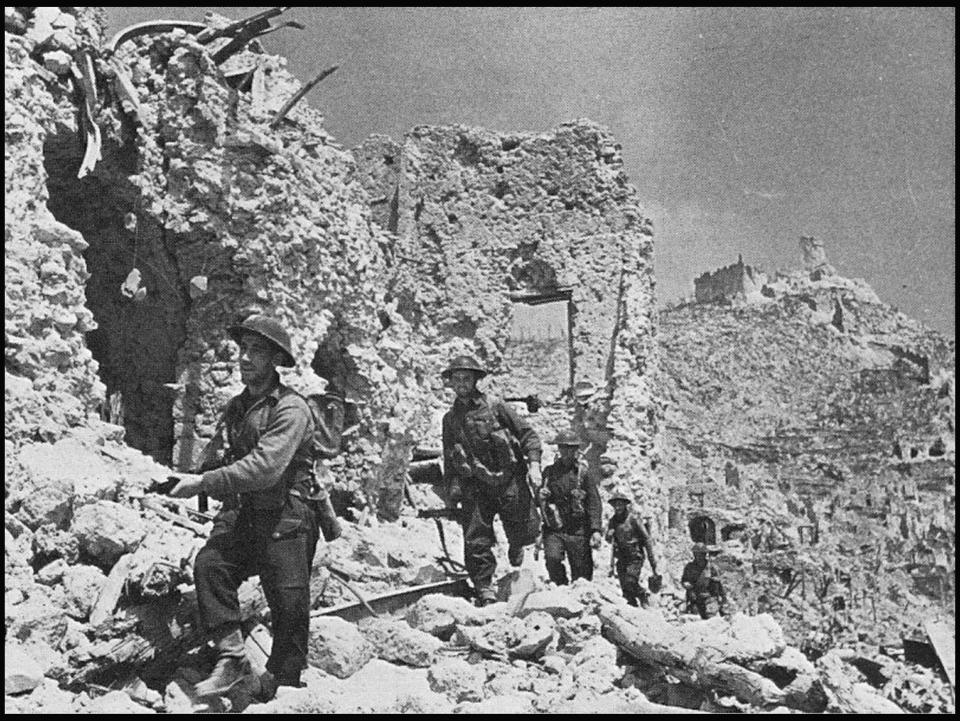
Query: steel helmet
x=567, y=438
x=464, y=363
x=269, y=329
x=620, y=495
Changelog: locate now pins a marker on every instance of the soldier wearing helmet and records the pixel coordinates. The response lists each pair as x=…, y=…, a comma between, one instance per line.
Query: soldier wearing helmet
x=571, y=508
x=265, y=526
x=705, y=594
x=488, y=451
x=631, y=542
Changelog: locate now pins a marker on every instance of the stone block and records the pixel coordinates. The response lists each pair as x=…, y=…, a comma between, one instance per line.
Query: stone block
x=50, y=542
x=439, y=615
x=337, y=647
x=457, y=680
x=52, y=573
x=82, y=586
x=537, y=635
x=106, y=530
x=49, y=699
x=397, y=642
x=558, y=602
x=52, y=663
x=21, y=671
x=40, y=616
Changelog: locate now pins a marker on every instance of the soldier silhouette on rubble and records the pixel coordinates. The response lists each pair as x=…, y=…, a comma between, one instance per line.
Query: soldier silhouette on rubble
x=705, y=594
x=631, y=544
x=488, y=452
x=570, y=504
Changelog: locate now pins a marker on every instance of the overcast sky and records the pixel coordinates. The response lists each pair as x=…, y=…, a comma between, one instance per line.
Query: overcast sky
x=742, y=129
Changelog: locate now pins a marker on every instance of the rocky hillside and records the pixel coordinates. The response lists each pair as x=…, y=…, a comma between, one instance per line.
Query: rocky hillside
x=816, y=405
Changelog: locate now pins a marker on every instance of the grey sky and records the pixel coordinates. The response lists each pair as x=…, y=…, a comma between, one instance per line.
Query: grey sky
x=742, y=129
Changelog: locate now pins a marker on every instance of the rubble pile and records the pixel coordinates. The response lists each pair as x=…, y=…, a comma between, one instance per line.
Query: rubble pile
x=831, y=498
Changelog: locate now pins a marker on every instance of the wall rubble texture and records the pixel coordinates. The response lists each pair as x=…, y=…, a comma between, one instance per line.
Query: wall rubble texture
x=198, y=186
x=51, y=381
x=482, y=216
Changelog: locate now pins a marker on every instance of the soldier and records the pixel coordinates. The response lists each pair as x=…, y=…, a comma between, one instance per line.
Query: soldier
x=630, y=540
x=265, y=526
x=705, y=593
x=570, y=503
x=487, y=453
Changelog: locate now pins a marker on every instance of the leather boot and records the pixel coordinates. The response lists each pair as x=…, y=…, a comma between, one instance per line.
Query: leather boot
x=515, y=556
x=485, y=596
x=231, y=666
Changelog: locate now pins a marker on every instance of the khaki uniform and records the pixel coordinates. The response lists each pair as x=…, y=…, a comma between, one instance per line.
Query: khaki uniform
x=263, y=529
x=486, y=447
x=573, y=490
x=630, y=542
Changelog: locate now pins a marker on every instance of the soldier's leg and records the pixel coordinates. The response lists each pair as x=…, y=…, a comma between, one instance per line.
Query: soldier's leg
x=553, y=556
x=519, y=515
x=478, y=539
x=219, y=569
x=580, y=556
x=630, y=581
x=289, y=542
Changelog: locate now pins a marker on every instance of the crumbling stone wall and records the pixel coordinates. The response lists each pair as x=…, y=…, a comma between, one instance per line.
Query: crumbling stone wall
x=733, y=281
x=222, y=216
x=483, y=218
x=50, y=376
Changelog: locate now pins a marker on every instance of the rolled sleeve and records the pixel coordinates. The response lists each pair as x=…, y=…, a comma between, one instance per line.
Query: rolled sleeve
x=263, y=467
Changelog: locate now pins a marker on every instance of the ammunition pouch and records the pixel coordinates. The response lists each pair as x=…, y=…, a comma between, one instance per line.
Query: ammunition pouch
x=551, y=517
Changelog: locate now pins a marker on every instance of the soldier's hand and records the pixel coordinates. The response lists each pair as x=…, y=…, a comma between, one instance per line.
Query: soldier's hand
x=534, y=473
x=190, y=485
x=595, y=539
x=454, y=496
x=543, y=495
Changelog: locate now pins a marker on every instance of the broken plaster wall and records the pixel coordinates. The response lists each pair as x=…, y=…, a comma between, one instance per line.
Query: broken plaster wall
x=482, y=216
x=273, y=221
x=193, y=184
x=50, y=380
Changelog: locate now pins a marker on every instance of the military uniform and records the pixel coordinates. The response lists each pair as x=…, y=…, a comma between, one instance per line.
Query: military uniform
x=630, y=542
x=572, y=488
x=486, y=447
x=265, y=526
x=705, y=594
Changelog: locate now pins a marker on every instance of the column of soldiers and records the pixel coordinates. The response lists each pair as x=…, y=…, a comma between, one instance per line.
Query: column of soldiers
x=272, y=510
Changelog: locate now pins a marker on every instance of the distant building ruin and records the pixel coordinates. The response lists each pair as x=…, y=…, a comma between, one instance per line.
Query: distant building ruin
x=736, y=281
x=815, y=258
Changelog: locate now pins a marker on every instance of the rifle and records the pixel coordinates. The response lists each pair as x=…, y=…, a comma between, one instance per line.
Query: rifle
x=207, y=462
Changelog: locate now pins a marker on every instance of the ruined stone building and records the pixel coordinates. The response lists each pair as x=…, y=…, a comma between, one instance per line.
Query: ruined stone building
x=733, y=281
x=382, y=264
